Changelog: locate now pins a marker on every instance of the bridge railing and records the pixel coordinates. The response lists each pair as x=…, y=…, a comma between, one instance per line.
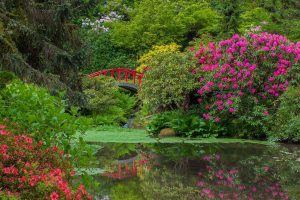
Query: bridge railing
x=121, y=74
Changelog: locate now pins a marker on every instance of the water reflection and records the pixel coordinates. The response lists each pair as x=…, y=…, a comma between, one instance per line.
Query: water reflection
x=224, y=182
x=198, y=171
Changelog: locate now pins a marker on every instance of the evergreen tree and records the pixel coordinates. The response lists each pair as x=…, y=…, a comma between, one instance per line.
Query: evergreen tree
x=231, y=12
x=39, y=44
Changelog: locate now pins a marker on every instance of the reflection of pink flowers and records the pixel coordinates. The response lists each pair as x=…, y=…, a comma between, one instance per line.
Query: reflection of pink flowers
x=221, y=183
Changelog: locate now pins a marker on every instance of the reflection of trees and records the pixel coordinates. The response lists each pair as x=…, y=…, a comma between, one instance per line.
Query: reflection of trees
x=130, y=190
x=177, y=156
x=112, y=152
x=164, y=184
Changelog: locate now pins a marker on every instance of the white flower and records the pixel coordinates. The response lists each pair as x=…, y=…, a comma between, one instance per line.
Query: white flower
x=256, y=29
x=264, y=22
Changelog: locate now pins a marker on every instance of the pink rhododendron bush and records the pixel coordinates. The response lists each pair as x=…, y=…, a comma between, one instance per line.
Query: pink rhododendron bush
x=28, y=170
x=244, y=75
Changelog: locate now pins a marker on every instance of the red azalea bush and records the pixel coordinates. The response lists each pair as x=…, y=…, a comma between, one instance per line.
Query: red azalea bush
x=257, y=65
x=28, y=170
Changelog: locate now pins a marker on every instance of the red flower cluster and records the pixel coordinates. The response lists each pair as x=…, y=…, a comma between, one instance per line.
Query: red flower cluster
x=30, y=171
x=259, y=65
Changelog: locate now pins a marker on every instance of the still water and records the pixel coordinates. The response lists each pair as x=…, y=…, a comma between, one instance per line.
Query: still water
x=198, y=171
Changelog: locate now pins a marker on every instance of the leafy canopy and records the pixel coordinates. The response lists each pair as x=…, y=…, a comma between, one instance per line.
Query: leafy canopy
x=162, y=22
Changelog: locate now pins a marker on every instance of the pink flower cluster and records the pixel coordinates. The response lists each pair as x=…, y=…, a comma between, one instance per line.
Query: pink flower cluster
x=259, y=65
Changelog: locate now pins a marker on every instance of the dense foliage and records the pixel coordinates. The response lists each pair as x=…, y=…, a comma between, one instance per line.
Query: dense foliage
x=106, y=102
x=131, y=28
x=184, y=124
x=36, y=111
x=103, y=54
x=173, y=21
x=115, y=33
x=285, y=124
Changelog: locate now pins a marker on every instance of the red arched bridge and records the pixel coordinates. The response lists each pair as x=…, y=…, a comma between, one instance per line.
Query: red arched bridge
x=126, y=78
x=131, y=167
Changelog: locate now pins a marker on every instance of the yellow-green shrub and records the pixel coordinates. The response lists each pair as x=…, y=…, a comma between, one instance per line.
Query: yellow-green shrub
x=168, y=82
x=156, y=50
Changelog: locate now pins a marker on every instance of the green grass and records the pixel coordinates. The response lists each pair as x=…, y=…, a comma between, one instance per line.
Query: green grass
x=123, y=135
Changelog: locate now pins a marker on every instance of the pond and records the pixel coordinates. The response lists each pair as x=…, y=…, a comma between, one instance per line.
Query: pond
x=197, y=171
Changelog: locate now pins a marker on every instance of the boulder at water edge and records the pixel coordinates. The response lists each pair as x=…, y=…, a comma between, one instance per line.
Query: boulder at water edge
x=167, y=132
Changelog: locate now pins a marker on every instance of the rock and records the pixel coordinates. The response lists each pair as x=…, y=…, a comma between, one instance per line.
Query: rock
x=167, y=132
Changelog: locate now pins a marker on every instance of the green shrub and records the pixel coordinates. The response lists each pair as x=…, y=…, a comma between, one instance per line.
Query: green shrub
x=285, y=124
x=41, y=114
x=254, y=17
x=156, y=50
x=5, y=78
x=251, y=121
x=168, y=82
x=7, y=197
x=107, y=103
x=142, y=116
x=184, y=124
